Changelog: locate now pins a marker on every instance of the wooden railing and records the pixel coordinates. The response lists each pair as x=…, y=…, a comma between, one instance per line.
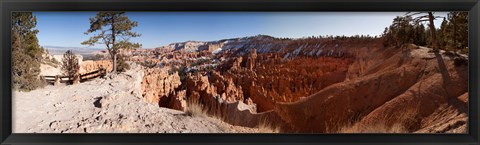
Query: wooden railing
x=82, y=77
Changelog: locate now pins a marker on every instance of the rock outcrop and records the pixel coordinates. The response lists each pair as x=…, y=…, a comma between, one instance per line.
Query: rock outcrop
x=89, y=66
x=158, y=84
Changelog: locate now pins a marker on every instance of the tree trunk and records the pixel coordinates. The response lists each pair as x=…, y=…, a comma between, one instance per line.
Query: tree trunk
x=433, y=31
x=114, y=63
x=454, y=37
x=114, y=48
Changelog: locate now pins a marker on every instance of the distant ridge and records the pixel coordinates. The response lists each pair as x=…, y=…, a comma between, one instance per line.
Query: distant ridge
x=55, y=50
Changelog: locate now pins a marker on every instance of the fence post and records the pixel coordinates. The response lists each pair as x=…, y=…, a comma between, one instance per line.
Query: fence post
x=103, y=72
x=76, y=79
x=44, y=80
x=57, y=80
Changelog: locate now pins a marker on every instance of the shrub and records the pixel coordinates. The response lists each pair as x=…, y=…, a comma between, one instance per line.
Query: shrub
x=70, y=66
x=195, y=108
x=199, y=62
x=95, y=57
x=122, y=64
x=149, y=63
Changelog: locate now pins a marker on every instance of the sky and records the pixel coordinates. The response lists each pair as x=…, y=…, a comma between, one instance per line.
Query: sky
x=66, y=29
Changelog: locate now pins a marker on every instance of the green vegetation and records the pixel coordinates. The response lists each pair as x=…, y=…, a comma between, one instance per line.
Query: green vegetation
x=70, y=66
x=199, y=62
x=112, y=29
x=149, y=63
x=122, y=64
x=451, y=36
x=455, y=32
x=26, y=52
x=95, y=57
x=182, y=72
x=400, y=32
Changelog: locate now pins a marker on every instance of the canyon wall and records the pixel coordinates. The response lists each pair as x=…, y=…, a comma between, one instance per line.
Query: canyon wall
x=324, y=86
x=160, y=86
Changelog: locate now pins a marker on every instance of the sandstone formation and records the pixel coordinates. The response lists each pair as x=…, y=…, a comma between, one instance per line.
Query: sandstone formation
x=319, y=85
x=89, y=66
x=157, y=85
x=341, y=88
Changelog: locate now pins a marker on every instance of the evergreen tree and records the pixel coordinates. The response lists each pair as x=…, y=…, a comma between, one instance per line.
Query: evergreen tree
x=23, y=23
x=26, y=52
x=458, y=22
x=427, y=16
x=404, y=30
x=70, y=66
x=420, y=38
x=400, y=32
x=114, y=31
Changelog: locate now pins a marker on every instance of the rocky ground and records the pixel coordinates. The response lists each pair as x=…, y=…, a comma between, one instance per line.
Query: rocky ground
x=105, y=105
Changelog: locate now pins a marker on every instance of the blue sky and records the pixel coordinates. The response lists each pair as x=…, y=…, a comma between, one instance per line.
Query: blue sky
x=67, y=29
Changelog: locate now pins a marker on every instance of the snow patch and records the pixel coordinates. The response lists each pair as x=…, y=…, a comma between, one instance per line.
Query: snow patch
x=286, y=56
x=217, y=50
x=319, y=52
x=297, y=50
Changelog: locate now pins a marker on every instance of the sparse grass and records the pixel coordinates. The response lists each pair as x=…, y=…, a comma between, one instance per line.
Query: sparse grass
x=405, y=123
x=373, y=128
x=267, y=127
x=195, y=108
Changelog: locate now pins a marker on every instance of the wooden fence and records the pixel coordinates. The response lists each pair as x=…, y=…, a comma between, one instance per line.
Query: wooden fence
x=82, y=77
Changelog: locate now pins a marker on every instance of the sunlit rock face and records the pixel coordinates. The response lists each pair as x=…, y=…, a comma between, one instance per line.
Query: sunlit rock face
x=313, y=85
x=158, y=84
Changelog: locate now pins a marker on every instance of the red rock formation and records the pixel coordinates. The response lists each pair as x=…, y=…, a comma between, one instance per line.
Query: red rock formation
x=318, y=85
x=252, y=56
x=157, y=83
x=408, y=94
x=89, y=66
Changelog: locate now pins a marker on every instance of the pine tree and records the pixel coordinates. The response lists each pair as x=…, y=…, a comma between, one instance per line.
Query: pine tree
x=24, y=24
x=446, y=38
x=458, y=22
x=400, y=32
x=427, y=16
x=114, y=31
x=26, y=52
x=70, y=66
x=420, y=38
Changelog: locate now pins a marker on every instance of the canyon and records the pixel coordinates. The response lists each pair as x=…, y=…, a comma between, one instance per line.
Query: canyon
x=258, y=83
